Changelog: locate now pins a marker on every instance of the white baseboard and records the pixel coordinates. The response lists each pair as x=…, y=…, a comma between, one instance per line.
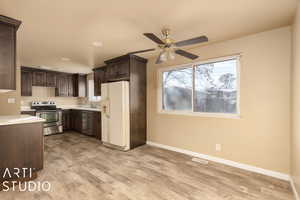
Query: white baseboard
x=294, y=189
x=266, y=172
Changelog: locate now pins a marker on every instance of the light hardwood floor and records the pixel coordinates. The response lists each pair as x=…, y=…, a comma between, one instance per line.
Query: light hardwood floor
x=79, y=168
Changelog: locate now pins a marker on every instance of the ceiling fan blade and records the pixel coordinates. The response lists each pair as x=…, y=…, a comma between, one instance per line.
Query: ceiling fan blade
x=142, y=51
x=154, y=38
x=191, y=41
x=186, y=54
x=158, y=60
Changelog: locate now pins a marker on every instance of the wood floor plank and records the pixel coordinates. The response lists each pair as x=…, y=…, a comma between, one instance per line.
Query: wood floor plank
x=79, y=167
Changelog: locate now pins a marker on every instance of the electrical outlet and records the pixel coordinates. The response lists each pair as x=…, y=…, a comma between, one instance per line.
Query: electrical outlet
x=11, y=100
x=218, y=147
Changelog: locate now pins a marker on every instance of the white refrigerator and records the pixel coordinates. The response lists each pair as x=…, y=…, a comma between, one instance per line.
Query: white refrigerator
x=115, y=115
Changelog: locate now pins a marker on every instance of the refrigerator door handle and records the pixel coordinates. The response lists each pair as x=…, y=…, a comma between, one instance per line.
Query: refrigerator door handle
x=105, y=107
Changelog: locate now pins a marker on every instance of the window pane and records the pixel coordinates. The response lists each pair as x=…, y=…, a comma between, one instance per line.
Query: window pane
x=91, y=89
x=177, y=89
x=216, y=87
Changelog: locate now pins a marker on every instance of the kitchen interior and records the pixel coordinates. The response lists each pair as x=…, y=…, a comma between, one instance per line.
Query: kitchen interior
x=108, y=104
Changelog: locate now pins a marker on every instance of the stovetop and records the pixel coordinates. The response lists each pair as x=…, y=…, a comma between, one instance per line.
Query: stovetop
x=43, y=105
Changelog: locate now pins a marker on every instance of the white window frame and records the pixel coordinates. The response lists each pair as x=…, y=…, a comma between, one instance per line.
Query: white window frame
x=192, y=113
x=91, y=94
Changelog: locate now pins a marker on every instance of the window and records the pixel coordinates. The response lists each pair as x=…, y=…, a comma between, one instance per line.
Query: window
x=177, y=89
x=91, y=91
x=210, y=88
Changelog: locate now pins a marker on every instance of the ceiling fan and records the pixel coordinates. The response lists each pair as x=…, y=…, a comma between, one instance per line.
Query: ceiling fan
x=169, y=47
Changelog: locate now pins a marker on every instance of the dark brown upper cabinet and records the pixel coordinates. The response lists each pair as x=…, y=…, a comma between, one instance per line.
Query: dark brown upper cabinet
x=99, y=77
x=117, y=71
x=39, y=78
x=70, y=86
x=66, y=84
x=26, y=82
x=80, y=85
x=62, y=85
x=8, y=29
x=50, y=79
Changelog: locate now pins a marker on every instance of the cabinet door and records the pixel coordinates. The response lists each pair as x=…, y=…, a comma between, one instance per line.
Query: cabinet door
x=87, y=122
x=72, y=119
x=73, y=115
x=39, y=78
x=97, y=125
x=111, y=72
x=118, y=71
x=26, y=83
x=82, y=85
x=78, y=121
x=66, y=120
x=123, y=70
x=7, y=57
x=50, y=79
x=62, y=86
x=70, y=86
x=84, y=122
x=99, y=77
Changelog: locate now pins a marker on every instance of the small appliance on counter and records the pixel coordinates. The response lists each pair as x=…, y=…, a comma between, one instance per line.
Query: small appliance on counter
x=47, y=110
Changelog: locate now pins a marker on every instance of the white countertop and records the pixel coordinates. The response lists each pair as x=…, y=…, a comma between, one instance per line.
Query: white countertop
x=77, y=107
x=26, y=108
x=18, y=119
x=66, y=107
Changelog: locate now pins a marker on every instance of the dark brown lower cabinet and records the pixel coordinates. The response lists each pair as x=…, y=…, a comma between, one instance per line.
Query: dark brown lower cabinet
x=86, y=122
x=66, y=120
x=22, y=146
x=97, y=125
x=76, y=120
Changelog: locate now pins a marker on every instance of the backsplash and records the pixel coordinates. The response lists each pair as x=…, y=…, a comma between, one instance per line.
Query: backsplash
x=85, y=101
x=48, y=94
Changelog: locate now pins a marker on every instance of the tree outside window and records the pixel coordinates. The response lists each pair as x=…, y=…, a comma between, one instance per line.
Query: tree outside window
x=208, y=88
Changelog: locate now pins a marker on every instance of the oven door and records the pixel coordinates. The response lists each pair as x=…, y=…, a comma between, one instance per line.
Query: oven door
x=52, y=117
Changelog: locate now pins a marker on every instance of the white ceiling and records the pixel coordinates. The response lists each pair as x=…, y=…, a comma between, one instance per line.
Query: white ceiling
x=53, y=29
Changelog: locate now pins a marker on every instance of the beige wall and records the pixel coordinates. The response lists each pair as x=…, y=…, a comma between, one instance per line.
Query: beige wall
x=262, y=136
x=295, y=142
x=11, y=109
x=47, y=94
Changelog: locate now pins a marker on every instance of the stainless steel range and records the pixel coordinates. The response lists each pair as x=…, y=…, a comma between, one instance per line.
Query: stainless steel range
x=53, y=116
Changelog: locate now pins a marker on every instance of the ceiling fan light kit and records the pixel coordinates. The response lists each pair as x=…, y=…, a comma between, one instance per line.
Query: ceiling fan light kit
x=169, y=47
